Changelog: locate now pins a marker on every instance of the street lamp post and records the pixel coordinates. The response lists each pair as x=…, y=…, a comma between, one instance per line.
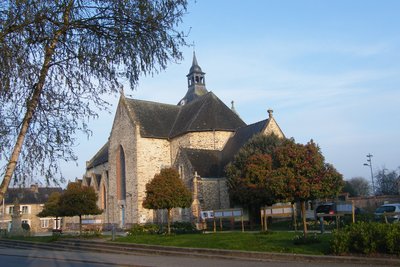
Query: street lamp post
x=369, y=156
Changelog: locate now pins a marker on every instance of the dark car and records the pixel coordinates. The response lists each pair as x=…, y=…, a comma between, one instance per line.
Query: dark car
x=326, y=208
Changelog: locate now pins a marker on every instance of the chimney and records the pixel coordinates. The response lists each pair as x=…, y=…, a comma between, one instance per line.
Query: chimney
x=35, y=188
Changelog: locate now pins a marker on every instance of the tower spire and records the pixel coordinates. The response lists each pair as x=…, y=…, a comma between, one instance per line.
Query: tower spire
x=196, y=82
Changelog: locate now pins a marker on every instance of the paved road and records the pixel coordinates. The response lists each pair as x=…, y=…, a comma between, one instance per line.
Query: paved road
x=39, y=257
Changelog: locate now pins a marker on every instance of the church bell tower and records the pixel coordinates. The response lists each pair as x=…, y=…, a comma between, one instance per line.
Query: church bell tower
x=196, y=83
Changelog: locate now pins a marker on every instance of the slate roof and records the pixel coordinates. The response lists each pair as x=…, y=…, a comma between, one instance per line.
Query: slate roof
x=241, y=136
x=206, y=113
x=207, y=163
x=101, y=157
x=155, y=119
x=29, y=196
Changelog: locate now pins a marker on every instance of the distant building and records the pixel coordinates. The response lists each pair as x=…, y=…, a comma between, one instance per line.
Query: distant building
x=31, y=201
x=198, y=137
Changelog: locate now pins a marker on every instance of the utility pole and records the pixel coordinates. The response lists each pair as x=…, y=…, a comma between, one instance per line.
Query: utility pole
x=369, y=160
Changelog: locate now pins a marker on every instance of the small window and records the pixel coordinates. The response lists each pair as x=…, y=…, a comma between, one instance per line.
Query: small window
x=25, y=222
x=25, y=210
x=44, y=223
x=11, y=210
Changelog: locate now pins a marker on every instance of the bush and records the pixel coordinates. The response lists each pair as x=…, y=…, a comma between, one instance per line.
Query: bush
x=367, y=238
x=176, y=228
x=183, y=228
x=140, y=229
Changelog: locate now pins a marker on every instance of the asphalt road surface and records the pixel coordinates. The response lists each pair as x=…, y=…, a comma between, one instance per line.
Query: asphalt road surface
x=11, y=257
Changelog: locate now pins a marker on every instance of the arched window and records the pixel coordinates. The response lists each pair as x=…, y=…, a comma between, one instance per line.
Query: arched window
x=121, y=178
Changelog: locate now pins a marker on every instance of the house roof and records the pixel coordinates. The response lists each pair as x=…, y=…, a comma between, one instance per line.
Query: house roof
x=30, y=195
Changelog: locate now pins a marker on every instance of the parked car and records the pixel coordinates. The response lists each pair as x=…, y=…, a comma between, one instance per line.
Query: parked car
x=330, y=208
x=326, y=208
x=379, y=212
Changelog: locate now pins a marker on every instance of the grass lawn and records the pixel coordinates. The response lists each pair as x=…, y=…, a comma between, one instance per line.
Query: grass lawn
x=271, y=242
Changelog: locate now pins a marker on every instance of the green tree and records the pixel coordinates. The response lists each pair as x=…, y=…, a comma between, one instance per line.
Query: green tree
x=58, y=62
x=52, y=207
x=78, y=200
x=167, y=191
x=247, y=173
x=300, y=174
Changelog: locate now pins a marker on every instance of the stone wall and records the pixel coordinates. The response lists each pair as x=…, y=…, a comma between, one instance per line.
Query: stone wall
x=102, y=190
x=152, y=156
x=123, y=134
x=273, y=128
x=214, y=140
x=213, y=193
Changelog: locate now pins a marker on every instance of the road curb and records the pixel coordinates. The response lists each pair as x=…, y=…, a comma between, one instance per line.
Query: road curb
x=124, y=248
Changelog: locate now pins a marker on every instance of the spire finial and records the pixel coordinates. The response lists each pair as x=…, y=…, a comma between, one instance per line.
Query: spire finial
x=270, y=115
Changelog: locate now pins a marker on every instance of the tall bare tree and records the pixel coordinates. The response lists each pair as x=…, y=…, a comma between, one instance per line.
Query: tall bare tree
x=59, y=58
x=387, y=182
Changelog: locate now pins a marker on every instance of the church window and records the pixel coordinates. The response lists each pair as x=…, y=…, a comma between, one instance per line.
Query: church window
x=121, y=174
x=197, y=79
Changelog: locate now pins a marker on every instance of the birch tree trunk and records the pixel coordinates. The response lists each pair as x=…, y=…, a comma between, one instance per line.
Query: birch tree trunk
x=34, y=101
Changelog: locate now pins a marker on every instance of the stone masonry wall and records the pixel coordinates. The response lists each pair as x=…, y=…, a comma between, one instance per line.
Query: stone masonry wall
x=123, y=133
x=214, y=140
x=102, y=198
x=152, y=156
x=213, y=194
x=273, y=128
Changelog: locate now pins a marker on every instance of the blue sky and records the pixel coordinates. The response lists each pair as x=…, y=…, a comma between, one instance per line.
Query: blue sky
x=330, y=70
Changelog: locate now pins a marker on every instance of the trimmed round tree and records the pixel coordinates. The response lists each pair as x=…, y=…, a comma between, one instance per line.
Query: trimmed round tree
x=247, y=174
x=167, y=191
x=79, y=200
x=300, y=174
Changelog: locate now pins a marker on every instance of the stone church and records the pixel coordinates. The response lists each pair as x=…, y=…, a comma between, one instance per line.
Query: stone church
x=199, y=136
